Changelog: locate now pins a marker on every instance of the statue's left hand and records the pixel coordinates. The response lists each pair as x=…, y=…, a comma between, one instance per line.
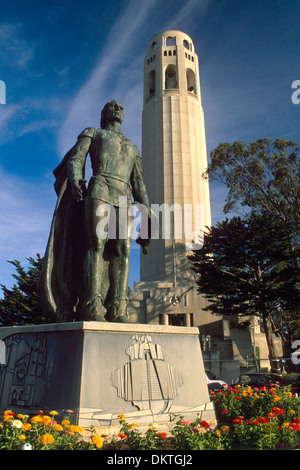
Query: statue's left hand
x=78, y=189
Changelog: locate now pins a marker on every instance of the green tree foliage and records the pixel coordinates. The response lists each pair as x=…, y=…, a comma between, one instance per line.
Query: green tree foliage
x=245, y=268
x=20, y=305
x=263, y=178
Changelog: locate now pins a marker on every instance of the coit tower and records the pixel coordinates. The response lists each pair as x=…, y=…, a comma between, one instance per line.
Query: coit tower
x=174, y=154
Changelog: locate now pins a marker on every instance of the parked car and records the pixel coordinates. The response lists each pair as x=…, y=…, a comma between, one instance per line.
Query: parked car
x=296, y=387
x=213, y=382
x=258, y=379
x=254, y=380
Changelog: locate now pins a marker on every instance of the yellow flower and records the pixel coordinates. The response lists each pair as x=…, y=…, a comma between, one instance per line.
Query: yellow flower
x=121, y=418
x=47, y=439
x=225, y=429
x=286, y=425
x=292, y=412
x=65, y=422
x=21, y=417
x=153, y=427
x=58, y=427
x=73, y=429
x=26, y=426
x=97, y=441
x=8, y=418
x=37, y=419
x=276, y=398
x=132, y=425
x=46, y=419
x=21, y=437
x=218, y=432
x=1, y=426
x=53, y=413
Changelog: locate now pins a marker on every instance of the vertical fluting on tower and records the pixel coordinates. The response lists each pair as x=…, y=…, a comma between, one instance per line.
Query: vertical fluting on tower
x=174, y=154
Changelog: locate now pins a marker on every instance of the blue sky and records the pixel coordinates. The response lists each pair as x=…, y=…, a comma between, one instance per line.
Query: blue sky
x=61, y=61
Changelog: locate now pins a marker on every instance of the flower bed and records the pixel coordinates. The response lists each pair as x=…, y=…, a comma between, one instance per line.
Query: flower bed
x=247, y=419
x=44, y=432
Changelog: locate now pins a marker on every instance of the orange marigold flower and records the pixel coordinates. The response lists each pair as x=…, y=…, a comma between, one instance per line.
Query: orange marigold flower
x=162, y=435
x=97, y=441
x=47, y=439
x=225, y=429
x=37, y=419
x=122, y=435
x=58, y=427
x=132, y=425
x=26, y=426
x=73, y=428
x=65, y=422
x=46, y=419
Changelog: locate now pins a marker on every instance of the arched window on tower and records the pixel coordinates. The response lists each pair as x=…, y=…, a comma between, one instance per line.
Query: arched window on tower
x=151, y=83
x=190, y=81
x=171, y=77
x=187, y=45
x=170, y=41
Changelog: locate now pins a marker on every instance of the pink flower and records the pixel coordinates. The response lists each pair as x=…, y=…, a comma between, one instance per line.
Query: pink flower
x=185, y=422
x=200, y=430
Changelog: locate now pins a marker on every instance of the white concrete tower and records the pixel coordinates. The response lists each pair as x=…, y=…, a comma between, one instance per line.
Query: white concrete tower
x=173, y=151
x=174, y=158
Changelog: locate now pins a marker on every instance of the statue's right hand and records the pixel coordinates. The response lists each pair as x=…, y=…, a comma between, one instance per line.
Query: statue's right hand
x=78, y=189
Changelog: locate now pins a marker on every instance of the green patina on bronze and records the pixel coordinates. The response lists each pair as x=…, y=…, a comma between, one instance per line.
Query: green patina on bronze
x=85, y=277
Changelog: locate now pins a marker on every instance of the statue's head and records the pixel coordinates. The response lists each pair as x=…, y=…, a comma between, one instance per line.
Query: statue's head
x=112, y=111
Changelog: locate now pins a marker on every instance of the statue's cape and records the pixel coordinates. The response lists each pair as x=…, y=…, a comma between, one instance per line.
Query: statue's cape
x=61, y=275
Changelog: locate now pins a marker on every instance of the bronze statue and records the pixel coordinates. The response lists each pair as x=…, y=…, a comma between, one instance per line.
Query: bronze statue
x=85, y=273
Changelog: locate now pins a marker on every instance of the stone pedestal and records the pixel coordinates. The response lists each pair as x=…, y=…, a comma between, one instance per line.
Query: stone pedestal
x=100, y=370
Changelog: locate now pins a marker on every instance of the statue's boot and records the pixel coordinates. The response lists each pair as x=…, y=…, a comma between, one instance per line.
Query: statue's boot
x=118, y=311
x=94, y=310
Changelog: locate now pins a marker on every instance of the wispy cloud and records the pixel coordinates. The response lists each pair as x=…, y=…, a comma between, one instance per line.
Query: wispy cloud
x=14, y=49
x=24, y=220
x=7, y=112
x=188, y=11
x=86, y=105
